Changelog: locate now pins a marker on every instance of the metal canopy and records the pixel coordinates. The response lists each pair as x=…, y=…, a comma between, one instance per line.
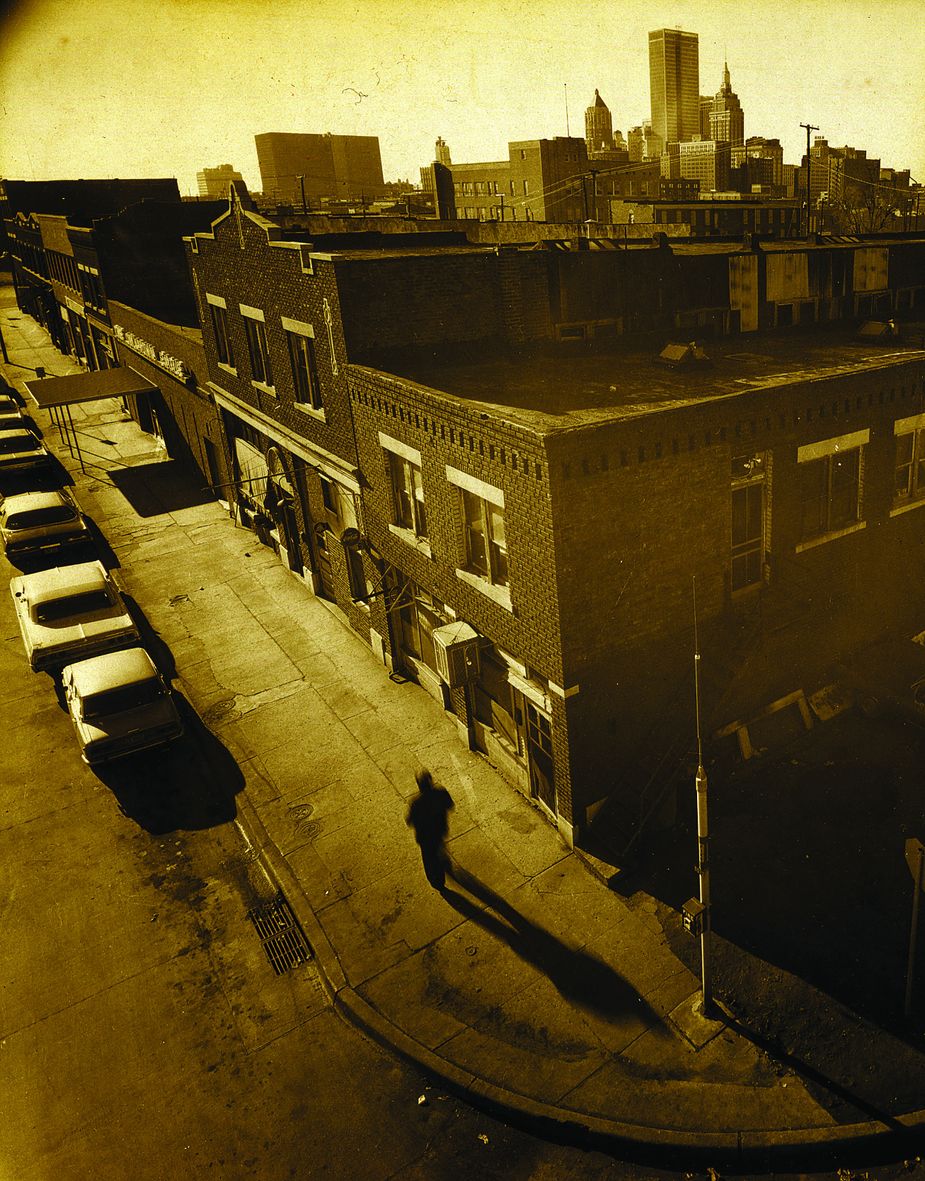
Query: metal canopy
x=47, y=392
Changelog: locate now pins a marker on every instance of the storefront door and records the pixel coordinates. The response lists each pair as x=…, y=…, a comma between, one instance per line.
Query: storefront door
x=539, y=756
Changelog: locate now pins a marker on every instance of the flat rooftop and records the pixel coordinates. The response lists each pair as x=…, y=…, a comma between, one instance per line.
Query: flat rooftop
x=566, y=389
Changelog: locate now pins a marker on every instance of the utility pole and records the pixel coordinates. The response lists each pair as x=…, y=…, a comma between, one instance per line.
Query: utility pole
x=301, y=180
x=567, y=132
x=703, y=837
x=809, y=127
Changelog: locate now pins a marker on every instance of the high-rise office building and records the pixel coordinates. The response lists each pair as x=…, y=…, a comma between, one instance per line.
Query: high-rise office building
x=339, y=167
x=442, y=151
x=674, y=85
x=213, y=182
x=727, y=120
x=598, y=126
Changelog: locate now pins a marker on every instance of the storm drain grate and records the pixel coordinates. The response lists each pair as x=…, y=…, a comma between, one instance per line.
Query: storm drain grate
x=280, y=934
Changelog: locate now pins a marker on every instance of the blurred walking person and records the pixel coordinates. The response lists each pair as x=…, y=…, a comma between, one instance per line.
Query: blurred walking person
x=427, y=815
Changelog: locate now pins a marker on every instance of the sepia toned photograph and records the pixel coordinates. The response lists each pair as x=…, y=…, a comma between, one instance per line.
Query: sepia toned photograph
x=462, y=499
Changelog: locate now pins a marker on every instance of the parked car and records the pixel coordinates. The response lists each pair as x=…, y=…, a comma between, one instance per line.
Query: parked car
x=888, y=677
x=119, y=703
x=40, y=522
x=69, y=613
x=11, y=416
x=21, y=450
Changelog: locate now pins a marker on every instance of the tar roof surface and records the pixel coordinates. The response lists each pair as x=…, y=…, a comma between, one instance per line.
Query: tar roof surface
x=564, y=390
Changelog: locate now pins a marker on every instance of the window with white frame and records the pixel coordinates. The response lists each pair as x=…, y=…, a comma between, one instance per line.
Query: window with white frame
x=257, y=348
x=830, y=485
x=482, y=513
x=909, y=482
x=301, y=343
x=219, y=316
x=403, y=464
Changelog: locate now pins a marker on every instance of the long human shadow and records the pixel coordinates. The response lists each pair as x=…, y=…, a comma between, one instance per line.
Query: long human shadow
x=580, y=977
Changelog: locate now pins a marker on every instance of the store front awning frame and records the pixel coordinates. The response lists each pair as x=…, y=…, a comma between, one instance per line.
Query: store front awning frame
x=94, y=386
x=58, y=394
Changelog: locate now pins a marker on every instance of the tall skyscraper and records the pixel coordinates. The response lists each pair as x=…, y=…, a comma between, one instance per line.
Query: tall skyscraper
x=442, y=151
x=598, y=126
x=674, y=85
x=727, y=120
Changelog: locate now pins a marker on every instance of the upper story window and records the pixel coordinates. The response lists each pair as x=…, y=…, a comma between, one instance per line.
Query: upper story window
x=830, y=486
x=909, y=482
x=91, y=287
x=300, y=339
x=219, y=316
x=486, y=544
x=257, y=349
x=403, y=466
x=484, y=559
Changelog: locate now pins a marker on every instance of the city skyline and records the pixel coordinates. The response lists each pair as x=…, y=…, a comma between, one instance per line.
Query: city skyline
x=473, y=74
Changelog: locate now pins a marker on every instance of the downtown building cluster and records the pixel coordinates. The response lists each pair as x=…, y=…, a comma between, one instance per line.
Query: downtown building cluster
x=464, y=438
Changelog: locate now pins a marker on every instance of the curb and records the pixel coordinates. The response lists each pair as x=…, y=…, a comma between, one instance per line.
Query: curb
x=645, y=1143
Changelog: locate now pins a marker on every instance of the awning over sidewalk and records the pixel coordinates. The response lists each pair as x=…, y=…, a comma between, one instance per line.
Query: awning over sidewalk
x=87, y=387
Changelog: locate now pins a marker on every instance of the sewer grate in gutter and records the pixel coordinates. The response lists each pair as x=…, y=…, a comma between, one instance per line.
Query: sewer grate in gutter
x=282, y=938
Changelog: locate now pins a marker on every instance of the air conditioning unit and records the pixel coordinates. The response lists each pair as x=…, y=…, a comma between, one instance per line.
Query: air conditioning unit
x=456, y=646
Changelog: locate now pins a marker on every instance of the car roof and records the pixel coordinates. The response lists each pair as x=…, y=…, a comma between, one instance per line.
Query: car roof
x=23, y=502
x=111, y=670
x=15, y=432
x=71, y=580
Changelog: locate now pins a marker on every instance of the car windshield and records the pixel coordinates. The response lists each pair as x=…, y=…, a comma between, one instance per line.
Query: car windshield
x=55, y=514
x=9, y=443
x=68, y=606
x=122, y=698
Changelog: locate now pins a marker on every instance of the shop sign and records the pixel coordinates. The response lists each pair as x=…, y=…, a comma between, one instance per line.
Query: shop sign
x=172, y=365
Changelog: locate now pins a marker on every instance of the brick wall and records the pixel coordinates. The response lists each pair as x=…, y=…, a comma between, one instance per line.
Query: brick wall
x=641, y=507
x=418, y=300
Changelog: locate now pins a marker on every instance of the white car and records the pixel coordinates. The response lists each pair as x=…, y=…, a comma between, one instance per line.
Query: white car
x=119, y=703
x=21, y=450
x=9, y=406
x=70, y=612
x=40, y=522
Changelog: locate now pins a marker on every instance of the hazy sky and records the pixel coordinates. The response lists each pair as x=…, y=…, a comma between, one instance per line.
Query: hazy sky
x=94, y=88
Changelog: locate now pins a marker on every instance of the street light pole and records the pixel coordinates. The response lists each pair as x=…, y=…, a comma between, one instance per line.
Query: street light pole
x=703, y=837
x=809, y=127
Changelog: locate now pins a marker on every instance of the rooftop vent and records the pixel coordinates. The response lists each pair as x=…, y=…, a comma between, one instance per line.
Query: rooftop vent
x=879, y=330
x=684, y=356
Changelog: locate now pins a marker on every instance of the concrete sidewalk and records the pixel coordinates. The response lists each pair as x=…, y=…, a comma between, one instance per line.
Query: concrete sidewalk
x=528, y=986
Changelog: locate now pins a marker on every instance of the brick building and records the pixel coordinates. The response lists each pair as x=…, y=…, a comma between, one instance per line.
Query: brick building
x=451, y=507
x=67, y=266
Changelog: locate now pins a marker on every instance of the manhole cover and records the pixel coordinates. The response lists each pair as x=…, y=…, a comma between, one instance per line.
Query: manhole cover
x=220, y=711
x=281, y=936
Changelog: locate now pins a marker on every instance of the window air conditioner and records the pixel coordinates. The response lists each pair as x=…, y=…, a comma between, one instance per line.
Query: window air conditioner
x=456, y=647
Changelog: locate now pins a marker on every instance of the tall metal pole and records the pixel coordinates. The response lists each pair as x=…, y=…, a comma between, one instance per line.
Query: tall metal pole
x=567, y=132
x=809, y=127
x=703, y=836
x=913, y=933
